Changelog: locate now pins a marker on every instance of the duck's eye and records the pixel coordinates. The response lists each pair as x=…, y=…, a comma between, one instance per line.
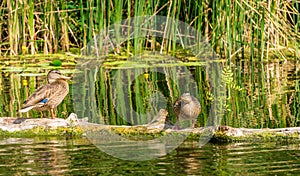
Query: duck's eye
x=56, y=71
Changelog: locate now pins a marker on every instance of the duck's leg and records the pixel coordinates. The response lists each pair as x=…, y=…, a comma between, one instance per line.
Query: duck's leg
x=52, y=113
x=176, y=127
x=193, y=124
x=44, y=114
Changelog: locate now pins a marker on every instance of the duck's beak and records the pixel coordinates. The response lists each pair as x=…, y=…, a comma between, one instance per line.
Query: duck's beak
x=65, y=77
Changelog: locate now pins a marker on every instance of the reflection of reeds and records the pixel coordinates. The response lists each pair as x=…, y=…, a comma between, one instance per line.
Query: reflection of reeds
x=135, y=95
x=263, y=96
x=256, y=94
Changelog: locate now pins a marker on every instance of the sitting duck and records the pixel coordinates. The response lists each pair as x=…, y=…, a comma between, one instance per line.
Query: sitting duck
x=48, y=96
x=187, y=107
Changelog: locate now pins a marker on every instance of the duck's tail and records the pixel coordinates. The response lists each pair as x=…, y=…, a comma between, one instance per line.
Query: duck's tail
x=26, y=109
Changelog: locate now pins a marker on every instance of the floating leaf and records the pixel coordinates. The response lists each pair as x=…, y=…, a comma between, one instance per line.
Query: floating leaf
x=56, y=63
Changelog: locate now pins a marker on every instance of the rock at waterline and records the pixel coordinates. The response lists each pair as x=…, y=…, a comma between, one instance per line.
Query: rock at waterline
x=18, y=124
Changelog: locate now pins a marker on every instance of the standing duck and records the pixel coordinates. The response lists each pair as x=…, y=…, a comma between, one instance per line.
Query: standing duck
x=187, y=107
x=48, y=96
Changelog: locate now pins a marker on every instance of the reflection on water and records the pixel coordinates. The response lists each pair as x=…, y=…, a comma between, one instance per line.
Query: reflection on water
x=258, y=94
x=54, y=156
x=270, y=97
x=134, y=95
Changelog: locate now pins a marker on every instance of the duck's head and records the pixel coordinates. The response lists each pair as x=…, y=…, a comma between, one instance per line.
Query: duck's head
x=186, y=98
x=55, y=75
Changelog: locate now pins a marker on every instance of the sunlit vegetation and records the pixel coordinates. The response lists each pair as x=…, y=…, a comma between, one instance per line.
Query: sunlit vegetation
x=255, y=29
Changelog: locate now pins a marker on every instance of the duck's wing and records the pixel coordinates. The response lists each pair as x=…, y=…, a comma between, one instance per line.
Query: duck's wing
x=60, y=89
x=197, y=105
x=39, y=97
x=177, y=106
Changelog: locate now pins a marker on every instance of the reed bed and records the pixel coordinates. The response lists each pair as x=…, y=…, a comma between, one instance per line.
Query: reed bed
x=236, y=29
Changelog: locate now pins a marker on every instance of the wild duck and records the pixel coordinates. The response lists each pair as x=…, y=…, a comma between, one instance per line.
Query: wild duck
x=187, y=107
x=48, y=96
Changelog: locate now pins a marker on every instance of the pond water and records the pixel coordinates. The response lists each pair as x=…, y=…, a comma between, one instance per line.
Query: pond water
x=60, y=156
x=255, y=94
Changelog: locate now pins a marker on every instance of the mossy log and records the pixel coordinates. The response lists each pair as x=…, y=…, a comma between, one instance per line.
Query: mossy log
x=230, y=134
x=220, y=134
x=74, y=126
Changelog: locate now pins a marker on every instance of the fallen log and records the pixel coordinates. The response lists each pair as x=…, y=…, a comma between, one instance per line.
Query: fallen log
x=72, y=125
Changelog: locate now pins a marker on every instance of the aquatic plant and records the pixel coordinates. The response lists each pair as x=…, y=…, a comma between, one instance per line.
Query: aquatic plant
x=236, y=29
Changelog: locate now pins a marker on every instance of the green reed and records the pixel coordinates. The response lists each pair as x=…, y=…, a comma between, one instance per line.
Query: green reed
x=130, y=117
x=258, y=28
x=120, y=99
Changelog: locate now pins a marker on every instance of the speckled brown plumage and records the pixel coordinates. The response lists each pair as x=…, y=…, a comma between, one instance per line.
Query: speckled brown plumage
x=48, y=96
x=187, y=107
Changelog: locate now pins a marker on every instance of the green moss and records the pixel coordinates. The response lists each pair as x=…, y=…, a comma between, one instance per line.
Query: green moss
x=137, y=132
x=142, y=133
x=221, y=137
x=278, y=137
x=42, y=131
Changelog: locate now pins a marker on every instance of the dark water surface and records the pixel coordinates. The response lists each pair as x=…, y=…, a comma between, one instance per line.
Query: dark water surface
x=56, y=156
x=256, y=94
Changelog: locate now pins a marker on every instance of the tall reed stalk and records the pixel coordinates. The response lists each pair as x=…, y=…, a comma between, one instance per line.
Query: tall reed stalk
x=259, y=29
